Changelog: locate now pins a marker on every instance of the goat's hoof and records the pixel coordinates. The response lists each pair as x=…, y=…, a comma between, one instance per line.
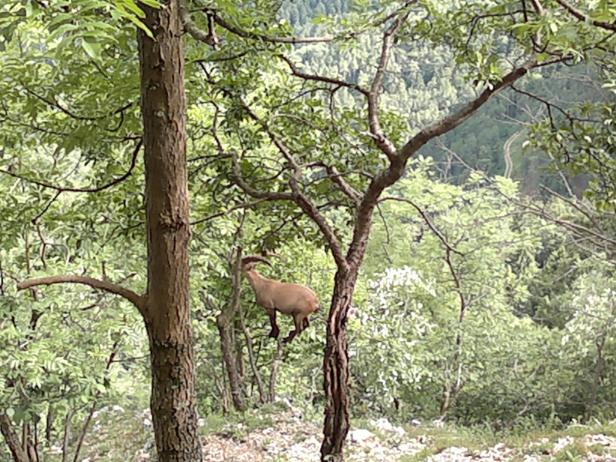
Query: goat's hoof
x=274, y=334
x=286, y=340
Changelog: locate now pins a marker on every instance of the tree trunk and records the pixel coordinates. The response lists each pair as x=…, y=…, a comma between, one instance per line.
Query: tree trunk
x=12, y=440
x=226, y=346
x=66, y=434
x=336, y=368
x=274, y=371
x=167, y=313
x=251, y=359
x=49, y=425
x=227, y=340
x=239, y=350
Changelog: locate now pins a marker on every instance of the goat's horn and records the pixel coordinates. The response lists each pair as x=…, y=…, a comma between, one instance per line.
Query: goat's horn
x=253, y=258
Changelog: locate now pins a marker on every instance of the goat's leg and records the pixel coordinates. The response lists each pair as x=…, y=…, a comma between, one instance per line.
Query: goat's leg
x=306, y=323
x=298, y=329
x=275, y=332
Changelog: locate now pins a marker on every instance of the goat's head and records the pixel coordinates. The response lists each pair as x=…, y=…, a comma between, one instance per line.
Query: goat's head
x=249, y=262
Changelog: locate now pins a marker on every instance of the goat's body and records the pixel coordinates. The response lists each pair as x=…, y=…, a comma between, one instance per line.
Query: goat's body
x=292, y=299
x=285, y=297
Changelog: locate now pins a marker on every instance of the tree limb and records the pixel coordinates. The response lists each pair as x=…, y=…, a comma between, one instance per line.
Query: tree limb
x=266, y=38
x=61, y=189
x=450, y=122
x=138, y=300
x=319, y=78
x=195, y=32
x=338, y=178
x=250, y=190
x=384, y=144
x=441, y=237
x=298, y=196
x=397, y=163
x=584, y=17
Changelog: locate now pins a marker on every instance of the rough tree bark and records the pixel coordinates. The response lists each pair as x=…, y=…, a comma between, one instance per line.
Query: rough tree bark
x=167, y=313
x=227, y=340
x=12, y=440
x=165, y=306
x=336, y=367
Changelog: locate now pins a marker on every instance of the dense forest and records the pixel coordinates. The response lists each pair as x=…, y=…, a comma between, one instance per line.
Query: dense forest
x=318, y=230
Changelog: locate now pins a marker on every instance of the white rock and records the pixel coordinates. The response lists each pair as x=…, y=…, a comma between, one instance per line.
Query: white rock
x=602, y=440
x=451, y=454
x=561, y=443
x=55, y=449
x=385, y=425
x=360, y=435
x=438, y=423
x=116, y=408
x=201, y=422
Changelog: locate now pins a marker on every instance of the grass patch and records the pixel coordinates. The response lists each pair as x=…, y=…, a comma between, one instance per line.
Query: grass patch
x=573, y=452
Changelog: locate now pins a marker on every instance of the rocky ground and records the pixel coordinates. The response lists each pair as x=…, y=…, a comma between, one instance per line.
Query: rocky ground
x=293, y=439
x=285, y=435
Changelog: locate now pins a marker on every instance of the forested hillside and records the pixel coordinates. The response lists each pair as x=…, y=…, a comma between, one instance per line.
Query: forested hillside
x=301, y=231
x=425, y=81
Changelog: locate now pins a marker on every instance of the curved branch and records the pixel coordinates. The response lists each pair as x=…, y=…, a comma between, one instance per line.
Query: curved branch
x=583, y=17
x=437, y=232
x=397, y=162
x=338, y=178
x=266, y=38
x=73, y=115
x=138, y=300
x=195, y=32
x=452, y=121
x=297, y=195
x=384, y=144
x=61, y=189
x=320, y=78
x=253, y=192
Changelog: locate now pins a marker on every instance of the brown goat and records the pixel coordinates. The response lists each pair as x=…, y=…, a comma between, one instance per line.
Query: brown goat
x=292, y=299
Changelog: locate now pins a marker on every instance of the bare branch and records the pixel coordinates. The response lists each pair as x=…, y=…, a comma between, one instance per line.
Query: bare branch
x=338, y=178
x=46, y=208
x=138, y=300
x=583, y=17
x=384, y=144
x=450, y=122
x=319, y=78
x=244, y=205
x=72, y=114
x=250, y=190
x=266, y=38
x=298, y=196
x=69, y=189
x=441, y=237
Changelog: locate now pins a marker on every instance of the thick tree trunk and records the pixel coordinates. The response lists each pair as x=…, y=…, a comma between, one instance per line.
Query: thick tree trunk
x=336, y=368
x=167, y=314
x=12, y=440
